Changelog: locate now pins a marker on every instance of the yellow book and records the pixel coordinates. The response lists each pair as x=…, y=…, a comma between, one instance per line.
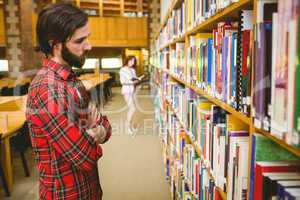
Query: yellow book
x=204, y=105
x=204, y=35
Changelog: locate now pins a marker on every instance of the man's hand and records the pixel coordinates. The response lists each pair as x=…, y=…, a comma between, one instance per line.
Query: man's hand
x=98, y=133
x=94, y=116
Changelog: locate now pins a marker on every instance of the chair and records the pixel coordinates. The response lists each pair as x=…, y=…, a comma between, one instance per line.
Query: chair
x=94, y=95
x=18, y=90
x=21, y=141
x=101, y=94
x=106, y=90
x=3, y=179
x=24, y=88
x=6, y=91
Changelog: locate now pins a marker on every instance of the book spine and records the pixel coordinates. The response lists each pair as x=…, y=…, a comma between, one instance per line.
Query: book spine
x=252, y=169
x=296, y=131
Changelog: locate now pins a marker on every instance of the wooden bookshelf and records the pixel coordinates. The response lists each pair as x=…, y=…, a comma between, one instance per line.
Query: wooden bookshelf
x=110, y=7
x=230, y=13
x=237, y=114
x=197, y=149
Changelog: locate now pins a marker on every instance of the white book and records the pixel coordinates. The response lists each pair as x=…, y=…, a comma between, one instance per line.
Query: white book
x=247, y=16
x=274, y=48
x=208, y=139
x=260, y=9
x=243, y=169
x=292, y=57
x=234, y=180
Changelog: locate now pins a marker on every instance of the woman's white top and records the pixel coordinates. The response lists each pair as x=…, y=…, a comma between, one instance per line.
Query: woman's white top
x=126, y=74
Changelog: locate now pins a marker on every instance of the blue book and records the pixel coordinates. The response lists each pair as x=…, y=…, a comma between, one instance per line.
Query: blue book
x=202, y=197
x=252, y=168
x=209, y=59
x=233, y=64
x=282, y=185
x=292, y=194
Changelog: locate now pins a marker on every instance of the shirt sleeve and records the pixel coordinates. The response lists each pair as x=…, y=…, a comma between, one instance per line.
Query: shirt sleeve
x=134, y=73
x=125, y=77
x=106, y=125
x=67, y=138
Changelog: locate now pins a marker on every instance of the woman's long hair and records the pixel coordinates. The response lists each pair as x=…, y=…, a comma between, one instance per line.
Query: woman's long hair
x=128, y=58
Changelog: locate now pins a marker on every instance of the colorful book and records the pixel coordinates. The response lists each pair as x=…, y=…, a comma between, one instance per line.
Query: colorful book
x=268, y=156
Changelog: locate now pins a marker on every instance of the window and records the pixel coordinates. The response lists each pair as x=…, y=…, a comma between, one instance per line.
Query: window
x=111, y=63
x=3, y=65
x=91, y=63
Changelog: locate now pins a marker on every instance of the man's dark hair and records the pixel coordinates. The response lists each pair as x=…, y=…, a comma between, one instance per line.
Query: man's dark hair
x=57, y=23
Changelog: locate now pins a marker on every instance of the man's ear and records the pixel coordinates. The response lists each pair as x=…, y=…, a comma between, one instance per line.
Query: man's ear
x=57, y=48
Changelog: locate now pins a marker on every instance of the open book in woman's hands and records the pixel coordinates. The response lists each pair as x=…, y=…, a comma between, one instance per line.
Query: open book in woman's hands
x=138, y=78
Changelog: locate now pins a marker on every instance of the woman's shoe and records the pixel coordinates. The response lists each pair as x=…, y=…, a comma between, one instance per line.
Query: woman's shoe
x=130, y=132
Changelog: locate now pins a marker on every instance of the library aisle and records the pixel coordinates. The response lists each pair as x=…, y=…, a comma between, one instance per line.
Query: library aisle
x=132, y=166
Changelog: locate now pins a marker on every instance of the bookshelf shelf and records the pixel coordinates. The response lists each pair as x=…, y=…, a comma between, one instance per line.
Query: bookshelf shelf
x=218, y=102
x=231, y=12
x=111, y=2
x=190, y=188
x=89, y=1
x=223, y=194
x=177, y=4
x=173, y=42
x=280, y=142
x=112, y=8
x=129, y=9
x=177, y=153
x=130, y=4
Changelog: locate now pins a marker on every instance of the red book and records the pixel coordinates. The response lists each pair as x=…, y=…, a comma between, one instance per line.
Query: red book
x=217, y=195
x=197, y=179
x=261, y=167
x=246, y=45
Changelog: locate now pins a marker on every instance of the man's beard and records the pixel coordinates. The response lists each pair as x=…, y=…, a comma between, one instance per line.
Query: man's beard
x=72, y=59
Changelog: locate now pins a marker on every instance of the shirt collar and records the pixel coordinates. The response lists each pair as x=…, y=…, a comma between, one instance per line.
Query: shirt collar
x=63, y=71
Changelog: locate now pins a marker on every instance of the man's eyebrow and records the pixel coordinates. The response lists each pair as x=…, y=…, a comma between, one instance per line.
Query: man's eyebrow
x=83, y=37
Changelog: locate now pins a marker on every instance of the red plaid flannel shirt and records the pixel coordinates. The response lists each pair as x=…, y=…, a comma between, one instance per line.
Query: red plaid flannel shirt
x=66, y=155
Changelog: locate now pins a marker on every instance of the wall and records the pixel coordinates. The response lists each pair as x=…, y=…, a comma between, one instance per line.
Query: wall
x=115, y=31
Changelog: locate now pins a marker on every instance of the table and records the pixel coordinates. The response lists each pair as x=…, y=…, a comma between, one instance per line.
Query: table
x=91, y=80
x=13, y=82
x=12, y=118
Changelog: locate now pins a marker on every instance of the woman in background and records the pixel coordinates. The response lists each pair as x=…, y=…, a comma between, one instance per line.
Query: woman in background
x=129, y=82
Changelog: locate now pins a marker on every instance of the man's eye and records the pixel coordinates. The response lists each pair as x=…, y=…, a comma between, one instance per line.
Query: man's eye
x=79, y=41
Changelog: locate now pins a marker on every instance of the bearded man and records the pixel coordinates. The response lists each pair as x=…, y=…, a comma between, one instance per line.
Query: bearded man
x=65, y=128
